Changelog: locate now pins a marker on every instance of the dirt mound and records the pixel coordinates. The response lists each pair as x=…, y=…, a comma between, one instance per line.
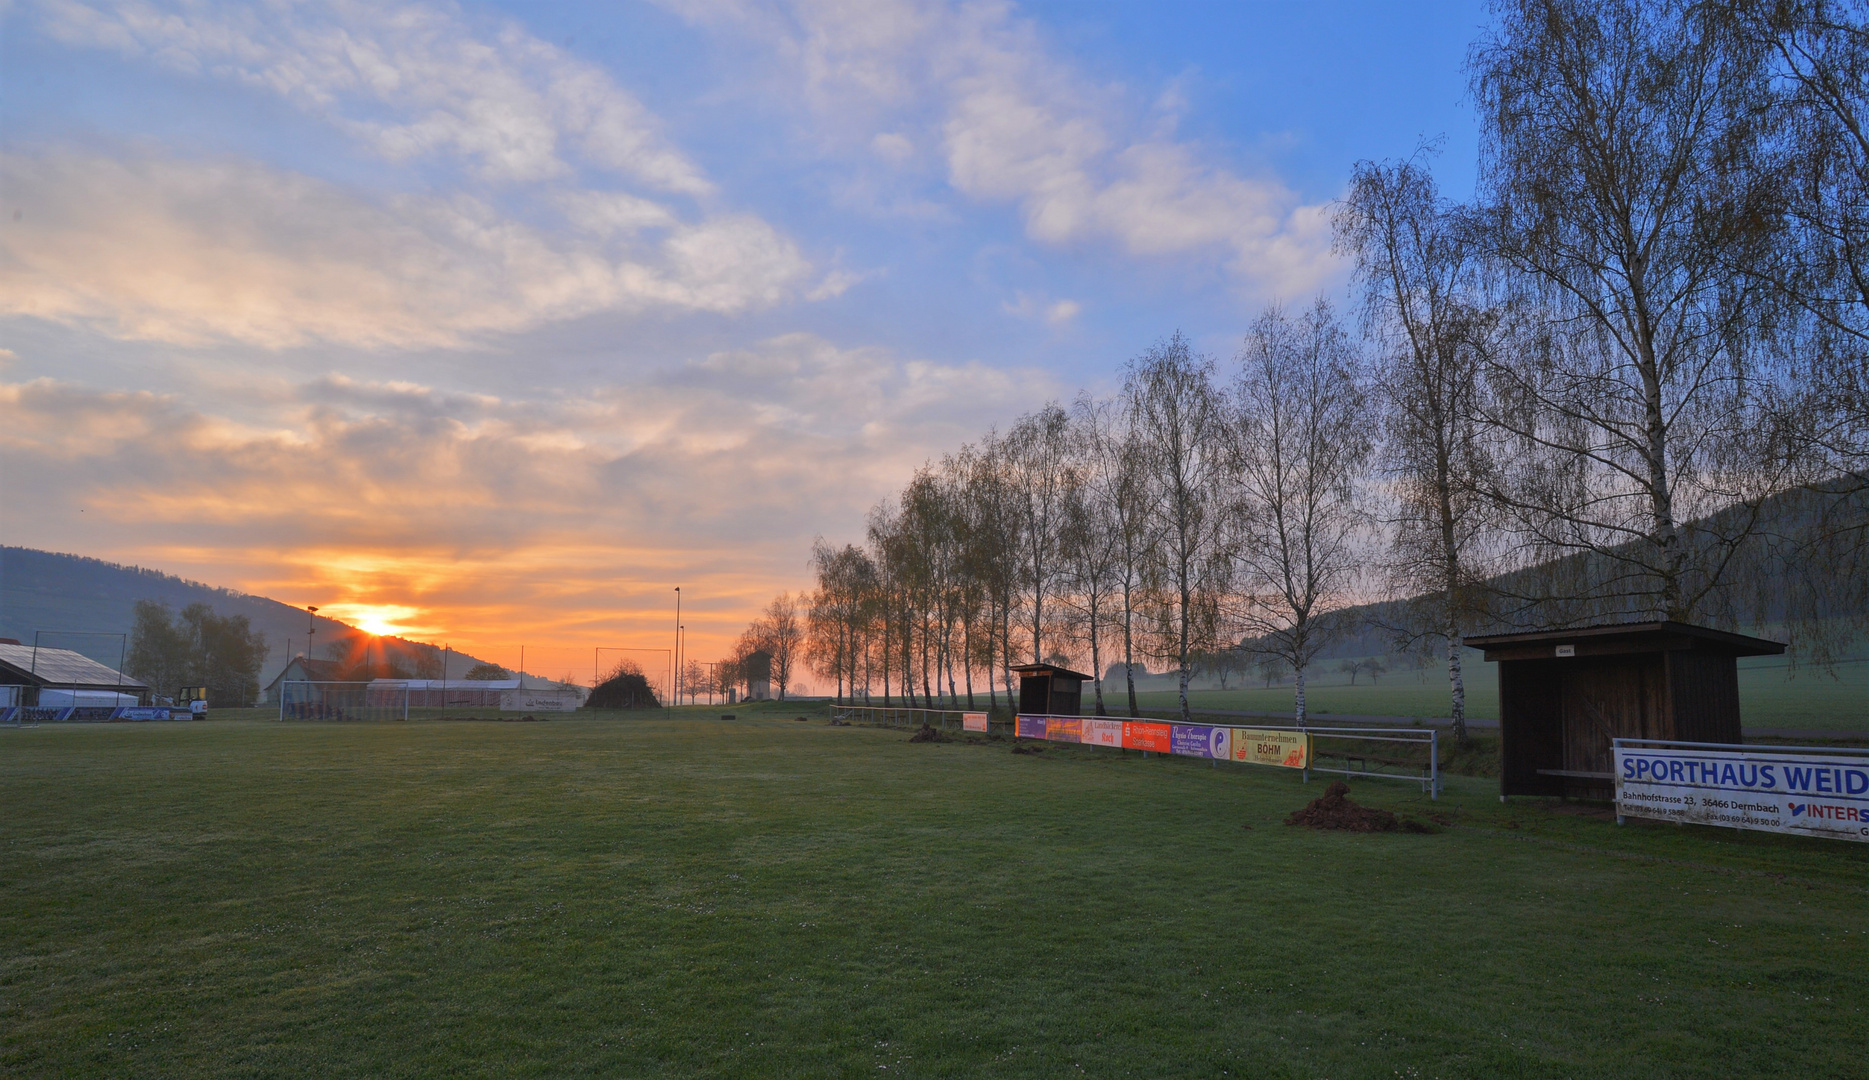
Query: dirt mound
x=928, y=734
x=1334, y=810
x=1024, y=749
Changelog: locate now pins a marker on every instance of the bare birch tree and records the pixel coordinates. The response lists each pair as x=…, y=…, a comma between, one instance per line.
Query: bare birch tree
x=1639, y=450
x=1423, y=307
x=1301, y=441
x=1040, y=476
x=1171, y=403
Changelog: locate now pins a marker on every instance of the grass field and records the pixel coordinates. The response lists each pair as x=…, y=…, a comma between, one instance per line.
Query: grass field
x=769, y=898
x=1771, y=695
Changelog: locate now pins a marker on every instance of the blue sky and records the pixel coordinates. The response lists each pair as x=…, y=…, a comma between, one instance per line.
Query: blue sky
x=514, y=314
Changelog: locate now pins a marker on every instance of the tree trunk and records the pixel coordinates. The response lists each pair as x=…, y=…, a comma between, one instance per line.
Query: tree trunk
x=1129, y=652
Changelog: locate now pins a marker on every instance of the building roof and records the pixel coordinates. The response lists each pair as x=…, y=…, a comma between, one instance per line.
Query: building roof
x=313, y=670
x=1052, y=669
x=23, y=665
x=1659, y=636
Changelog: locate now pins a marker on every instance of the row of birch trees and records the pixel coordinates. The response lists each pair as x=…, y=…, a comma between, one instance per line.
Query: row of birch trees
x=1626, y=381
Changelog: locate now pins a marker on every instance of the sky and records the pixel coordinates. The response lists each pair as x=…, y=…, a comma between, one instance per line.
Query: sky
x=493, y=323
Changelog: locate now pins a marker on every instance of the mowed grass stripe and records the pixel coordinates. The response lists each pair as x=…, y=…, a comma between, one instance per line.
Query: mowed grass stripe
x=760, y=898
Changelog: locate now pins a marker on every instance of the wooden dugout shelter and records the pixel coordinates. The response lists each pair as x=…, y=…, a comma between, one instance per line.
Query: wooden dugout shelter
x=1564, y=694
x=1049, y=690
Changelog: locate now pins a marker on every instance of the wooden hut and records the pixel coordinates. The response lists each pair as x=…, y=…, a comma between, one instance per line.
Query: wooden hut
x=1564, y=694
x=1049, y=690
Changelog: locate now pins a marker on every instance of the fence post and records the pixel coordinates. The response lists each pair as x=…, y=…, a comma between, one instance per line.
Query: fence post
x=1434, y=764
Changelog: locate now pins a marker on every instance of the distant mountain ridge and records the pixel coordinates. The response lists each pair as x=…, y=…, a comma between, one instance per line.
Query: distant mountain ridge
x=64, y=596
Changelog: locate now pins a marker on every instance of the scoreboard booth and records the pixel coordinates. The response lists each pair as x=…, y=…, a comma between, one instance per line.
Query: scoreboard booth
x=1564, y=694
x=1049, y=690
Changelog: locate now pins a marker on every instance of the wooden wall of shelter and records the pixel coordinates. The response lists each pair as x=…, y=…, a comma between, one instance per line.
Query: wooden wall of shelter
x=1564, y=694
x=1050, y=690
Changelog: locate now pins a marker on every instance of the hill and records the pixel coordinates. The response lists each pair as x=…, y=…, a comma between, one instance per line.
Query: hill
x=73, y=601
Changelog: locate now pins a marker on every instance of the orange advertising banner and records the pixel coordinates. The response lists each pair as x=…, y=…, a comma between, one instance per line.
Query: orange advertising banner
x=1141, y=736
x=1062, y=729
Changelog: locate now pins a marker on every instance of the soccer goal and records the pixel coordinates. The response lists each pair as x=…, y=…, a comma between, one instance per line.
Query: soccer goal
x=343, y=701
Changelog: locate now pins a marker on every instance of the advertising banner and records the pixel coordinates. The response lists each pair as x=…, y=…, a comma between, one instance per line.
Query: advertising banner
x=1029, y=727
x=1809, y=793
x=973, y=721
x=1103, y=733
x=530, y=700
x=1141, y=736
x=144, y=714
x=1287, y=749
x=1061, y=729
x=1190, y=740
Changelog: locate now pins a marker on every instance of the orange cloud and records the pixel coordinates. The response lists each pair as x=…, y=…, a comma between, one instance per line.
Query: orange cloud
x=559, y=523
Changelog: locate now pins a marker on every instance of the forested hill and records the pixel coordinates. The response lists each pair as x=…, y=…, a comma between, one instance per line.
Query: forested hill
x=60, y=595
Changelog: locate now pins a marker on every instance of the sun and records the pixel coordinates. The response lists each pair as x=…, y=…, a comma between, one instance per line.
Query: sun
x=383, y=620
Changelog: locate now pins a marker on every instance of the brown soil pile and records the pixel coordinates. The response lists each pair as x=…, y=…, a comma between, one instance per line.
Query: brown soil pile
x=928, y=734
x=1021, y=748
x=1335, y=811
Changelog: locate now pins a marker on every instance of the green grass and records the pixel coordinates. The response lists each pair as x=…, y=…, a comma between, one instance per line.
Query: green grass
x=769, y=898
x=1771, y=695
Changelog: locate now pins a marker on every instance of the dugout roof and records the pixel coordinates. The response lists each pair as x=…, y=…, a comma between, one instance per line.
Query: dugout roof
x=61, y=668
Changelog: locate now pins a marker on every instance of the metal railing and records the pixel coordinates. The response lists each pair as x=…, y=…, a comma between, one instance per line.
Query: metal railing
x=909, y=716
x=1385, y=767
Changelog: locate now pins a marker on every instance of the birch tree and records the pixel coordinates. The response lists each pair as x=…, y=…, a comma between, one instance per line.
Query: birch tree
x=1171, y=404
x=1301, y=440
x=1425, y=311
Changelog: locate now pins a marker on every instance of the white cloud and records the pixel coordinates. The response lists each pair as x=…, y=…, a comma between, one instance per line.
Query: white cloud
x=1055, y=313
x=1018, y=125
x=410, y=80
x=186, y=252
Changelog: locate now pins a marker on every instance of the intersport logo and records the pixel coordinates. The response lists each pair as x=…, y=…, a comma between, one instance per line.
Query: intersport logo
x=1826, y=811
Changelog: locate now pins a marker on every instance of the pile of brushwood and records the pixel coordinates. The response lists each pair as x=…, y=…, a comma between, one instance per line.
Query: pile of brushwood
x=928, y=734
x=625, y=689
x=1334, y=810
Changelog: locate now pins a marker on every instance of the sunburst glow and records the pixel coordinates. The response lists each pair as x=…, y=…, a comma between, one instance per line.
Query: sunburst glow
x=383, y=620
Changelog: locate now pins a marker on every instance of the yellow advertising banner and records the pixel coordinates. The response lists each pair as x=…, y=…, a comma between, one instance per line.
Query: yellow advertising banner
x=1287, y=749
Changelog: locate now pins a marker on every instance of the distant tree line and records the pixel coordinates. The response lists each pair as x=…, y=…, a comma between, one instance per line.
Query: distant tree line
x=1626, y=382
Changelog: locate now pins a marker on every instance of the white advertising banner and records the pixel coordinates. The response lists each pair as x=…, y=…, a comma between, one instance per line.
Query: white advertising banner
x=540, y=700
x=973, y=721
x=1807, y=792
x=1103, y=733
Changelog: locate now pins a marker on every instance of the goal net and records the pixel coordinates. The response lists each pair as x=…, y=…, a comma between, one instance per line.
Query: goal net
x=343, y=701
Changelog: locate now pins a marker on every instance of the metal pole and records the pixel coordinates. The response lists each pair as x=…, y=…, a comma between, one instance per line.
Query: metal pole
x=675, y=657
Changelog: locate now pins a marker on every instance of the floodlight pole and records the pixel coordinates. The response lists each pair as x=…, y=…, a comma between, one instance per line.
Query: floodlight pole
x=675, y=657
